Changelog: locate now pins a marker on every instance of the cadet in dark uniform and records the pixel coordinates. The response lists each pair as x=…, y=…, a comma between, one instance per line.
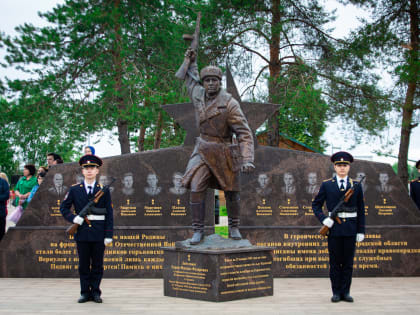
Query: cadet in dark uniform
x=415, y=187
x=90, y=239
x=342, y=237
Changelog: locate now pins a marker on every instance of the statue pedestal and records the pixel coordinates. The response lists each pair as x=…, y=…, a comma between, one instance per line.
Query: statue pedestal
x=218, y=270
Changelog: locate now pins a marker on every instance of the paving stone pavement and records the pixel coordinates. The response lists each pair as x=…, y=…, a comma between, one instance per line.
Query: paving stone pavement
x=145, y=296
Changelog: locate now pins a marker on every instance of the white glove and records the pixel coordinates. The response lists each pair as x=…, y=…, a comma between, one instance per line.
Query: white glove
x=78, y=220
x=328, y=222
x=360, y=237
x=107, y=241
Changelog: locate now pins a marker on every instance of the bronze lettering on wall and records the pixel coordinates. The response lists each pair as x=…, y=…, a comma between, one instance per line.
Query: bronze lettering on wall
x=245, y=274
x=178, y=209
x=153, y=209
x=263, y=208
x=128, y=210
x=307, y=252
x=55, y=210
x=139, y=251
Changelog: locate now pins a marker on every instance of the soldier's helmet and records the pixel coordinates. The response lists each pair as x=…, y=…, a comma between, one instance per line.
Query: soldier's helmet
x=211, y=71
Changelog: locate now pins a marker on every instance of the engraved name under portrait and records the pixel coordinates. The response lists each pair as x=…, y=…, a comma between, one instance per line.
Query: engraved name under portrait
x=177, y=189
x=58, y=187
x=263, y=182
x=152, y=189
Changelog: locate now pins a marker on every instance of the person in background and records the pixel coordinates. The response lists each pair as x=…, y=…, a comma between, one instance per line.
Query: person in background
x=42, y=169
x=4, y=196
x=25, y=184
x=53, y=159
x=40, y=179
x=89, y=150
x=415, y=187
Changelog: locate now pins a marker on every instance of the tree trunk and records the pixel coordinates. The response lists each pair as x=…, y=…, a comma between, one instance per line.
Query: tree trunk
x=405, y=142
x=158, y=132
x=273, y=137
x=123, y=135
x=408, y=107
x=140, y=140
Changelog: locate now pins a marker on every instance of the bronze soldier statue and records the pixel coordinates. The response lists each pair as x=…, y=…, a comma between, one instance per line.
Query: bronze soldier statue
x=218, y=157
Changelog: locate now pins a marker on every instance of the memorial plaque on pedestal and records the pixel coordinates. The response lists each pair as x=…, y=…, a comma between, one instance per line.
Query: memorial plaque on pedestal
x=218, y=274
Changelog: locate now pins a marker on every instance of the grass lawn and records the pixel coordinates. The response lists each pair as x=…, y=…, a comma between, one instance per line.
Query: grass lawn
x=221, y=230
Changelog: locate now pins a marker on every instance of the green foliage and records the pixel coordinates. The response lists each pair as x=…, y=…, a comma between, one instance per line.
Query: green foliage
x=99, y=64
x=222, y=211
x=222, y=231
x=412, y=171
x=390, y=39
x=303, y=112
x=285, y=45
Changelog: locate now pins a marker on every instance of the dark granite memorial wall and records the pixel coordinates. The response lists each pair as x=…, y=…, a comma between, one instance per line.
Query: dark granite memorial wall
x=151, y=211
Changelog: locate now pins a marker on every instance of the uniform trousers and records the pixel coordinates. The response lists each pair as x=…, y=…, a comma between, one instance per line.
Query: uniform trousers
x=341, y=251
x=2, y=227
x=91, y=269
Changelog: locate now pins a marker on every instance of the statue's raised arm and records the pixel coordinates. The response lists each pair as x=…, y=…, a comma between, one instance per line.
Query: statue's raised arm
x=192, y=50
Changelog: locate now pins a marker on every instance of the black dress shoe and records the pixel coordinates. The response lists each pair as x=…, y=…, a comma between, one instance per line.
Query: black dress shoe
x=83, y=299
x=335, y=298
x=97, y=299
x=347, y=298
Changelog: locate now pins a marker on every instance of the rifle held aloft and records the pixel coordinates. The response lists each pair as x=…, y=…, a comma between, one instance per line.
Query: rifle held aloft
x=183, y=69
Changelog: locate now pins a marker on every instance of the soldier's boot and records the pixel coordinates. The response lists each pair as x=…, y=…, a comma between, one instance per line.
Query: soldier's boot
x=233, y=206
x=197, y=209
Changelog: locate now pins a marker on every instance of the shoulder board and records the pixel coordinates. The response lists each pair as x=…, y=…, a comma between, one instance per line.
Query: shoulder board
x=326, y=180
x=74, y=185
x=413, y=180
x=100, y=185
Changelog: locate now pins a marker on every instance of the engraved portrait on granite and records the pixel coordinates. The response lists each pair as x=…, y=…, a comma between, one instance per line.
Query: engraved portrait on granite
x=359, y=176
x=59, y=189
x=78, y=178
x=177, y=189
x=128, y=181
x=384, y=186
x=105, y=180
x=289, y=187
x=312, y=187
x=152, y=189
x=263, y=188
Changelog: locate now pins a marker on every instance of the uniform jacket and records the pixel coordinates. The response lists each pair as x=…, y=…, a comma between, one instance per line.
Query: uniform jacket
x=78, y=197
x=331, y=194
x=4, y=196
x=218, y=121
x=415, y=191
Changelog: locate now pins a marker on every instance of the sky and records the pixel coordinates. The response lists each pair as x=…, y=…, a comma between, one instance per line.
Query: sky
x=17, y=12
